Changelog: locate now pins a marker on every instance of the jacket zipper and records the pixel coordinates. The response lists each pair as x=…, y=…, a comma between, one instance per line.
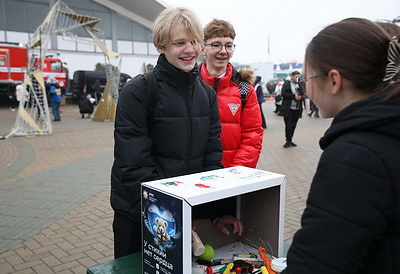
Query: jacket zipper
x=216, y=80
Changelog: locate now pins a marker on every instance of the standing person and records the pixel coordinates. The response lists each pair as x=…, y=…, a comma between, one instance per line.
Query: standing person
x=292, y=106
x=260, y=95
x=242, y=132
x=22, y=95
x=352, y=218
x=313, y=110
x=11, y=94
x=55, y=98
x=180, y=136
x=97, y=91
x=278, y=96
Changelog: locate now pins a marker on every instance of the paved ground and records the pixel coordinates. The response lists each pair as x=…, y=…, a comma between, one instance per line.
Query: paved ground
x=55, y=215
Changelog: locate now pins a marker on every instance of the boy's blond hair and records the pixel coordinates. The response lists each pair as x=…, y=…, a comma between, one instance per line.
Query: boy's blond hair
x=166, y=23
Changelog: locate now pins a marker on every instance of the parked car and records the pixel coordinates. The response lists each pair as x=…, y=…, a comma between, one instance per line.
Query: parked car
x=85, y=80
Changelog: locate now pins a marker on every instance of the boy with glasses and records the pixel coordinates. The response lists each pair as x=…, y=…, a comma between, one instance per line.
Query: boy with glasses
x=242, y=132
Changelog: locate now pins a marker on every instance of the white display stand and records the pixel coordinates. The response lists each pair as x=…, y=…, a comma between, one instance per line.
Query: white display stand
x=167, y=205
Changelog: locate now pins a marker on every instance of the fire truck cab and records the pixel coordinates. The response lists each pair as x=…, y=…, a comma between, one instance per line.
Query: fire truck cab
x=13, y=61
x=13, y=66
x=54, y=68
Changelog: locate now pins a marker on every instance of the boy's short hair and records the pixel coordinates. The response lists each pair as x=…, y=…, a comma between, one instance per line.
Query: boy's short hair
x=165, y=25
x=296, y=72
x=219, y=28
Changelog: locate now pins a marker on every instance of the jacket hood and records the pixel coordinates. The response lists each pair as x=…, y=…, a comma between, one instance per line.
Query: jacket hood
x=373, y=114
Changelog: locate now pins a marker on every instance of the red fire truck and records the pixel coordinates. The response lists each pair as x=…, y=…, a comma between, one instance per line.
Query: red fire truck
x=13, y=66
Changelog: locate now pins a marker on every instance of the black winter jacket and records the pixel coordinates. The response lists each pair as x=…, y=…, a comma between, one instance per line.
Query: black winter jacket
x=287, y=97
x=351, y=223
x=181, y=137
x=85, y=106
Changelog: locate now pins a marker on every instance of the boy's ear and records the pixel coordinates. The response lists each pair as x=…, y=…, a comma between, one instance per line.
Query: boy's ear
x=161, y=50
x=203, y=50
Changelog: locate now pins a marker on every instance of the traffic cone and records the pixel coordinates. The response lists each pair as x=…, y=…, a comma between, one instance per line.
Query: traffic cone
x=271, y=98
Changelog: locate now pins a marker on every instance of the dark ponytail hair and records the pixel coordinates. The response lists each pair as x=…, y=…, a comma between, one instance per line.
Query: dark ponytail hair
x=358, y=49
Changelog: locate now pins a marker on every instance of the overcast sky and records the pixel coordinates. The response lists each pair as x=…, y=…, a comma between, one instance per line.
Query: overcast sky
x=289, y=24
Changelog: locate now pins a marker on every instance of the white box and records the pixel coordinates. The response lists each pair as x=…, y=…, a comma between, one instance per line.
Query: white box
x=260, y=200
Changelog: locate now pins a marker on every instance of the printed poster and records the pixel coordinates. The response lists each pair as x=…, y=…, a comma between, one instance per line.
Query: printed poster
x=162, y=232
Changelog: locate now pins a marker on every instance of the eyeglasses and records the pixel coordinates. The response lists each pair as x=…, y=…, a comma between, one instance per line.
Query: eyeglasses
x=182, y=43
x=305, y=80
x=217, y=47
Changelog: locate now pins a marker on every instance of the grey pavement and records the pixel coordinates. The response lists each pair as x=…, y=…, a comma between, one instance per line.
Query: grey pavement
x=55, y=215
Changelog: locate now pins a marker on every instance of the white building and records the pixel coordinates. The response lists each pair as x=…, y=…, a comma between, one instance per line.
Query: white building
x=126, y=25
x=264, y=69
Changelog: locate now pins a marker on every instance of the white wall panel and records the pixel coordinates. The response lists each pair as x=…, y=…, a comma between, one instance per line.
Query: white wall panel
x=140, y=48
x=125, y=47
x=17, y=37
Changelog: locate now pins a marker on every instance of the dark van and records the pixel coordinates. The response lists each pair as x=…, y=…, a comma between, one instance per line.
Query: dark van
x=91, y=81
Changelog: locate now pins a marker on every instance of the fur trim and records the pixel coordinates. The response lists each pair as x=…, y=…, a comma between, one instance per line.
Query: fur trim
x=247, y=74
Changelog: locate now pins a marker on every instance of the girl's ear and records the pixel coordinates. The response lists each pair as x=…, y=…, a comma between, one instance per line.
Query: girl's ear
x=335, y=81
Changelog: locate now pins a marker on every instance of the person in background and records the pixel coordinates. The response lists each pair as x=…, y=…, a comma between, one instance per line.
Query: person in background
x=292, y=106
x=182, y=135
x=11, y=94
x=86, y=105
x=22, y=95
x=313, y=110
x=260, y=95
x=278, y=96
x=97, y=91
x=241, y=124
x=55, y=99
x=121, y=84
x=352, y=218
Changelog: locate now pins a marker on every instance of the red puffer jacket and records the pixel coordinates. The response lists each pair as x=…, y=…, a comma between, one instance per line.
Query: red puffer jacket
x=242, y=132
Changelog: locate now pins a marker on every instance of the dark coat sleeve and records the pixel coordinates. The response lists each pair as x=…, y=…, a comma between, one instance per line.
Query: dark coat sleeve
x=213, y=153
x=133, y=161
x=286, y=91
x=347, y=213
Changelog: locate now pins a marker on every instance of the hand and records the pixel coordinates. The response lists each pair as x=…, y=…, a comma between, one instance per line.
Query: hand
x=297, y=97
x=238, y=226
